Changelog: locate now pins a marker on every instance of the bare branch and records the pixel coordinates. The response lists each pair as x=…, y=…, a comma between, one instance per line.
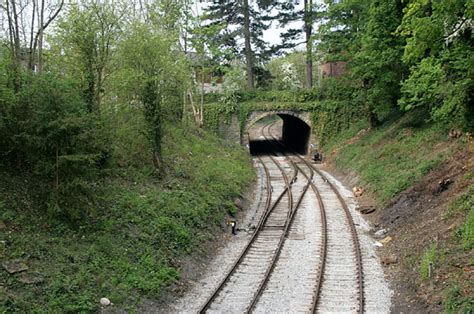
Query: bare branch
x=43, y=27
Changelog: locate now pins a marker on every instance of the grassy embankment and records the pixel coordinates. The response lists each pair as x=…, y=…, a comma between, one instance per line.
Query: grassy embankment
x=142, y=228
x=396, y=156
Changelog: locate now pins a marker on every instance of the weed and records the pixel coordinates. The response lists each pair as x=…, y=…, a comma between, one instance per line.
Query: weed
x=462, y=205
x=5, y=214
x=455, y=302
x=466, y=231
x=429, y=257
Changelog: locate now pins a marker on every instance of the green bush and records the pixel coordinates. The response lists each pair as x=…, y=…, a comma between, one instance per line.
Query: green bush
x=48, y=131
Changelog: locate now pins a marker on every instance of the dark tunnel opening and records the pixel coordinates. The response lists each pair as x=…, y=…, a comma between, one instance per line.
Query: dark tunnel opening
x=289, y=130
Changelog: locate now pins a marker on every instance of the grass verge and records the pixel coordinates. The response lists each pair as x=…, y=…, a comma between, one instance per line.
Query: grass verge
x=133, y=247
x=391, y=158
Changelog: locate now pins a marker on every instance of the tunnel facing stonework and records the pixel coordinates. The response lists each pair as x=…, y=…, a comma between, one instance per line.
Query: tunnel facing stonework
x=295, y=133
x=296, y=130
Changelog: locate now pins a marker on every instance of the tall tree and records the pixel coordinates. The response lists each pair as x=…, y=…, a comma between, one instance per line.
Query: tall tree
x=308, y=29
x=248, y=48
x=88, y=34
x=292, y=37
x=438, y=49
x=342, y=25
x=241, y=19
x=378, y=61
x=42, y=25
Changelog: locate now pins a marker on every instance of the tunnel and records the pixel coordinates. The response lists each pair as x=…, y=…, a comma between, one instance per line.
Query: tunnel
x=292, y=135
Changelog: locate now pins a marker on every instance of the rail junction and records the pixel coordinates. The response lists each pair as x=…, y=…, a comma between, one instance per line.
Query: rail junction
x=330, y=274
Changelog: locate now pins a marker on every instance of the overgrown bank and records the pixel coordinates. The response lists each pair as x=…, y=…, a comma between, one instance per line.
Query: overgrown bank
x=140, y=229
x=421, y=182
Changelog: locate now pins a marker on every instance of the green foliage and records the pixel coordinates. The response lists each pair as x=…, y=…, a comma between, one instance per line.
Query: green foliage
x=430, y=256
x=153, y=72
x=438, y=46
x=415, y=53
x=465, y=204
x=6, y=214
x=455, y=301
x=86, y=36
x=377, y=64
x=81, y=139
x=401, y=148
x=49, y=131
x=340, y=34
x=422, y=88
x=133, y=248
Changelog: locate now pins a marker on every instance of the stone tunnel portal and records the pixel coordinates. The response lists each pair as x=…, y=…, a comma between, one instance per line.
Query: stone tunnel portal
x=289, y=129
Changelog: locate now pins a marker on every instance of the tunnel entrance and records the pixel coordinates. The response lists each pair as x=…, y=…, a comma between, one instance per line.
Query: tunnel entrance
x=293, y=132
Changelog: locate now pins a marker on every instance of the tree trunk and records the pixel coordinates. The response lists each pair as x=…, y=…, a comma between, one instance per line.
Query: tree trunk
x=40, y=38
x=32, y=35
x=308, y=27
x=14, y=43
x=201, y=107
x=14, y=32
x=57, y=176
x=248, y=48
x=38, y=41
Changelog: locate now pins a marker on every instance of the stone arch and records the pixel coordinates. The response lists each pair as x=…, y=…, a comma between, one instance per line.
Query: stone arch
x=292, y=116
x=257, y=115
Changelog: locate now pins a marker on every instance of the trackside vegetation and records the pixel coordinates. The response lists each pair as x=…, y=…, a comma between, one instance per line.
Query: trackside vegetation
x=106, y=182
x=131, y=246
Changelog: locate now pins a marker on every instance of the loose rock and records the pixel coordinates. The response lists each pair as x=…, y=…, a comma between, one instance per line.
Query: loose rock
x=105, y=302
x=367, y=210
x=14, y=266
x=451, y=227
x=386, y=240
x=380, y=233
x=238, y=202
x=358, y=191
x=30, y=279
x=390, y=259
x=455, y=133
x=443, y=185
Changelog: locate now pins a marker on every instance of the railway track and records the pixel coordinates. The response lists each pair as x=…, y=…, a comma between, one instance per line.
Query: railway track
x=240, y=286
x=340, y=287
x=304, y=256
